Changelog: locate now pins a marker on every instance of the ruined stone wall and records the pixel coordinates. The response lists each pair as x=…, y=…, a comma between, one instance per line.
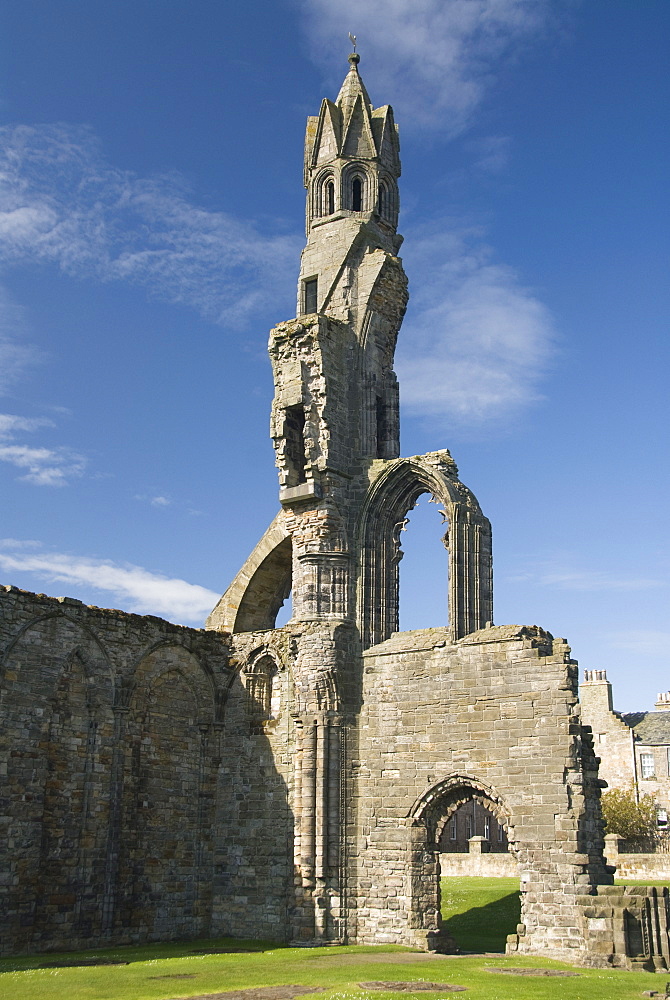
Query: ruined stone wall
x=492, y=716
x=143, y=796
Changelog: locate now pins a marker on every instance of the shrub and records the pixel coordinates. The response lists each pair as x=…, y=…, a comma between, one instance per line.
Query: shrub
x=626, y=816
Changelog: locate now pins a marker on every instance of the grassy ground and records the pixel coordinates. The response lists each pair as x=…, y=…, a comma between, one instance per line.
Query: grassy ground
x=163, y=972
x=479, y=913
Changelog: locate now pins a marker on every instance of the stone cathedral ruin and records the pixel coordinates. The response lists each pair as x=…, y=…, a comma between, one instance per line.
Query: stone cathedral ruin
x=293, y=783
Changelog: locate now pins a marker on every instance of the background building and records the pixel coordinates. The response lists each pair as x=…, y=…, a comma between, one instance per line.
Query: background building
x=634, y=747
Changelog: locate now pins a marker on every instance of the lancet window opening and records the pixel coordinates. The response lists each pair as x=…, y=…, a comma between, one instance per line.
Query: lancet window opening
x=383, y=523
x=384, y=200
x=387, y=201
x=262, y=687
x=423, y=565
x=294, y=436
x=356, y=190
x=324, y=201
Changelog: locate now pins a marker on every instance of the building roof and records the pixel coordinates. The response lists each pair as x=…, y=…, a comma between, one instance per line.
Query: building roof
x=649, y=727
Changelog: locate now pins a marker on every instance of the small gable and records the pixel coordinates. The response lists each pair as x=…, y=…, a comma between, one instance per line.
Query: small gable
x=327, y=141
x=386, y=138
x=358, y=140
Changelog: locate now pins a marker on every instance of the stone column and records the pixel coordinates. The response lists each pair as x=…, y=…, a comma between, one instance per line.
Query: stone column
x=114, y=830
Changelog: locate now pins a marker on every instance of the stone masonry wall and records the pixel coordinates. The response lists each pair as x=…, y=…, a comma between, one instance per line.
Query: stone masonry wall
x=142, y=799
x=492, y=716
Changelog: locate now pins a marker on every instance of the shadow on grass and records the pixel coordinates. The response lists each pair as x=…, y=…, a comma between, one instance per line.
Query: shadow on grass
x=485, y=928
x=125, y=954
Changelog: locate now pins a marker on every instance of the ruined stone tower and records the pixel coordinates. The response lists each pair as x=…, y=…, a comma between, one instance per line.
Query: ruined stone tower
x=392, y=731
x=343, y=489
x=294, y=783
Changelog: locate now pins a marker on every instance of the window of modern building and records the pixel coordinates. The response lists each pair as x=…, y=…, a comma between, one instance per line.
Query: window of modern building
x=647, y=765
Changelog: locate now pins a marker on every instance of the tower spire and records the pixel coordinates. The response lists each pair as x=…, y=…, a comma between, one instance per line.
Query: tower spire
x=351, y=87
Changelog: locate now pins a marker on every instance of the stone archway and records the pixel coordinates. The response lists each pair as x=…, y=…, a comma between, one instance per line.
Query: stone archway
x=390, y=497
x=428, y=818
x=259, y=590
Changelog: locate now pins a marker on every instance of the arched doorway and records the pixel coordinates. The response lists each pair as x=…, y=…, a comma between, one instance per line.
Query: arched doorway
x=431, y=818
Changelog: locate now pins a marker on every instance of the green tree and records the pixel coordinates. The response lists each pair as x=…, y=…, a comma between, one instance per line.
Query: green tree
x=625, y=816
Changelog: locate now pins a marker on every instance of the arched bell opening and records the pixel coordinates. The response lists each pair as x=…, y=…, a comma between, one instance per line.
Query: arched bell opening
x=431, y=817
x=357, y=194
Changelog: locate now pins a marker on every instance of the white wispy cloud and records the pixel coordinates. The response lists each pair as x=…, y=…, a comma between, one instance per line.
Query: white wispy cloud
x=558, y=573
x=476, y=342
x=648, y=642
x=16, y=354
x=137, y=589
x=432, y=59
x=10, y=424
x=40, y=466
x=63, y=203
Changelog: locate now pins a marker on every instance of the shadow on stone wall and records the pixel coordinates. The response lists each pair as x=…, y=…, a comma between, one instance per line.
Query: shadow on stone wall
x=143, y=802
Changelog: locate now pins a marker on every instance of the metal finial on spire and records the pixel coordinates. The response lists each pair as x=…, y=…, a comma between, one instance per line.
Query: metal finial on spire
x=352, y=39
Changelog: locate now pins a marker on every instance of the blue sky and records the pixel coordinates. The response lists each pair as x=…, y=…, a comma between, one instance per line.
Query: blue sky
x=150, y=228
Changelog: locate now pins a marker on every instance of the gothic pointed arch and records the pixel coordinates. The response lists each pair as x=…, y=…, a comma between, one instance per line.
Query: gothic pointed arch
x=358, y=194
x=169, y=777
x=264, y=684
x=255, y=596
x=434, y=807
x=468, y=541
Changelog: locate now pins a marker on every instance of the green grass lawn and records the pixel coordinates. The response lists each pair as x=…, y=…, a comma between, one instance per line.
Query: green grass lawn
x=479, y=913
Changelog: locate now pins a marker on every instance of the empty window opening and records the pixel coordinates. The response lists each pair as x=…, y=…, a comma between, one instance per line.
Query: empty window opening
x=294, y=435
x=330, y=198
x=285, y=612
x=424, y=567
x=357, y=194
x=310, y=295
